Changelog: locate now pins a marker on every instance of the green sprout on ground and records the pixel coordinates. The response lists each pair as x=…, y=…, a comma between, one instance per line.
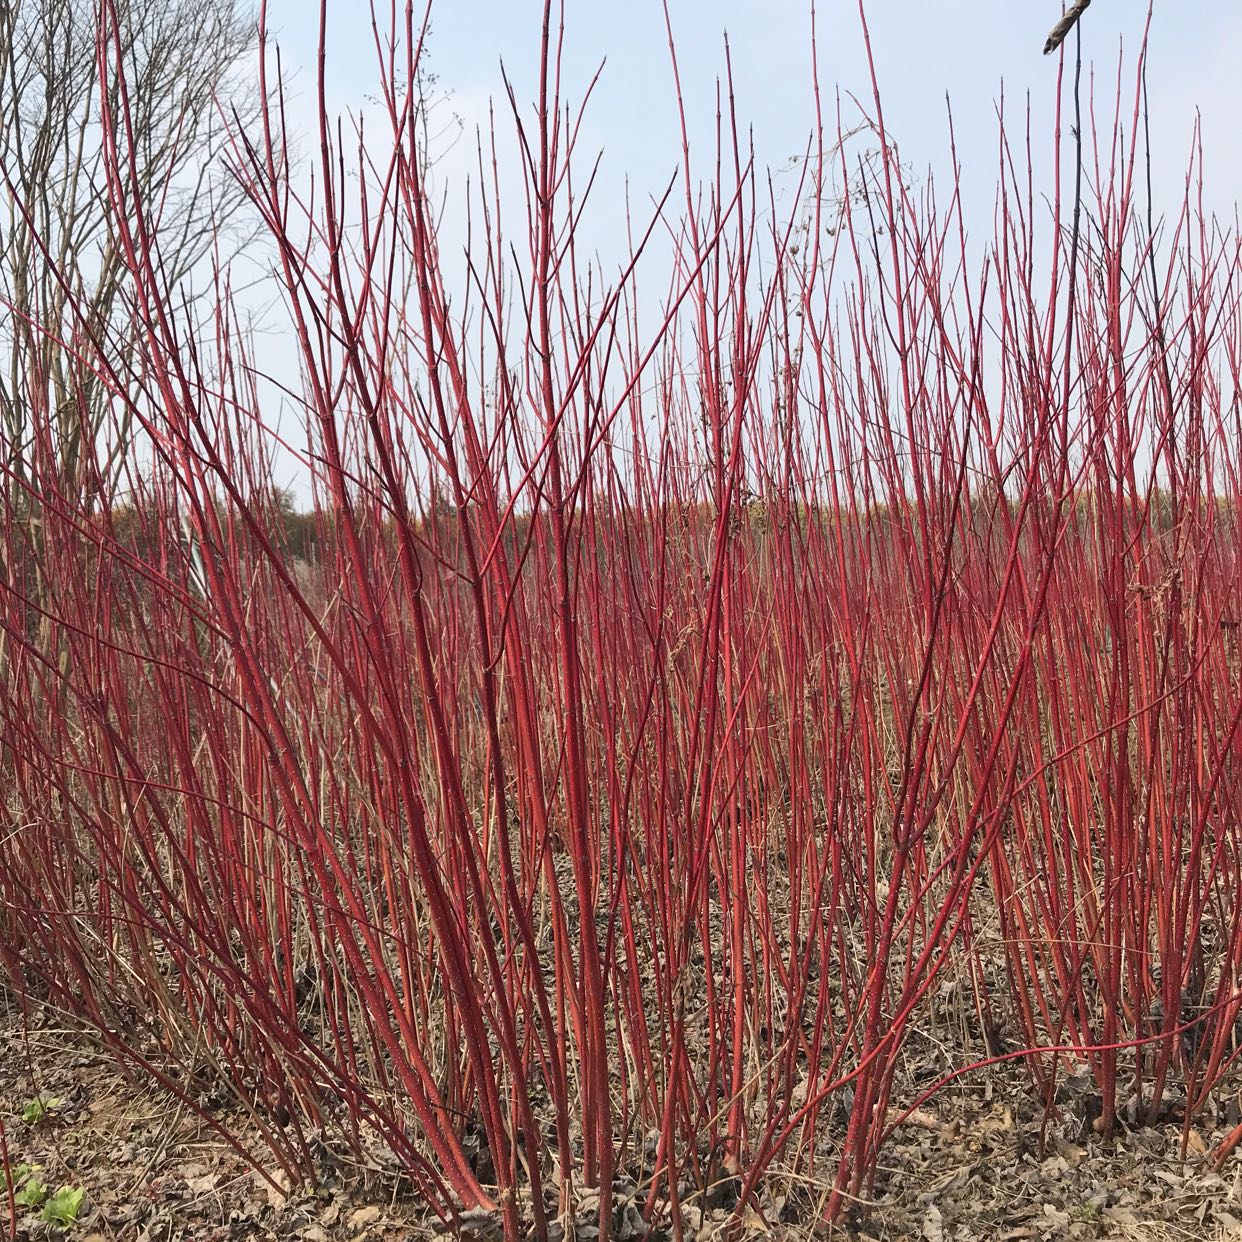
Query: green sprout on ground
x=30, y=1190
x=1086, y=1213
x=60, y=1208
x=38, y=1108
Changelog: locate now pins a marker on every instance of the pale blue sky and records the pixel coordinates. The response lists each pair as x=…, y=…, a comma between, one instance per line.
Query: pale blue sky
x=965, y=48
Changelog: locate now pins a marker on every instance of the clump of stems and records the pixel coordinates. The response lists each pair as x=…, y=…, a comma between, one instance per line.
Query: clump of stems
x=673, y=691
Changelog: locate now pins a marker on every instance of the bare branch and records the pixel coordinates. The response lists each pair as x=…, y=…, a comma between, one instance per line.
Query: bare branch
x=1057, y=35
x=182, y=60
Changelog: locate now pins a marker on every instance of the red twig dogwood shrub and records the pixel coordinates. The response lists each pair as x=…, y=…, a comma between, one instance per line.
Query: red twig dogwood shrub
x=672, y=687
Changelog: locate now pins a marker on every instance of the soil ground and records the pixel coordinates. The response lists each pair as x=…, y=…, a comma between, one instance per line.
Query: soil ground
x=972, y=1165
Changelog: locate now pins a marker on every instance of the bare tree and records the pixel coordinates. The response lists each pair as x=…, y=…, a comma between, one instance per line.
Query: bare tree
x=61, y=272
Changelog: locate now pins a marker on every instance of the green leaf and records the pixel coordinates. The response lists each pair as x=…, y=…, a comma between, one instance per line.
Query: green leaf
x=31, y=1194
x=38, y=1108
x=63, y=1207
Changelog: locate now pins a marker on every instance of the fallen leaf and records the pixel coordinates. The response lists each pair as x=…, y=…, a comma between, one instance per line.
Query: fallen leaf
x=363, y=1217
x=753, y=1223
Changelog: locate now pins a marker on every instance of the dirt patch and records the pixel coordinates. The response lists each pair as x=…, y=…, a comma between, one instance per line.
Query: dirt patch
x=981, y=1160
